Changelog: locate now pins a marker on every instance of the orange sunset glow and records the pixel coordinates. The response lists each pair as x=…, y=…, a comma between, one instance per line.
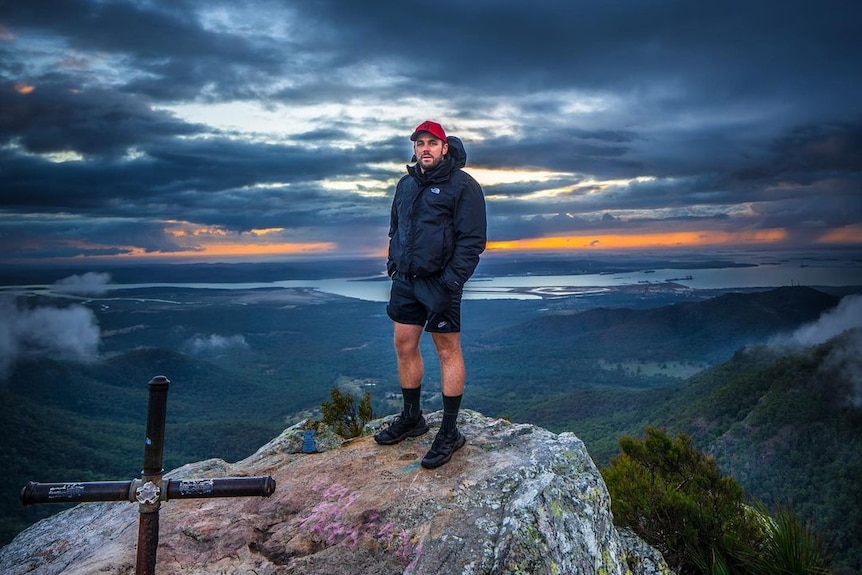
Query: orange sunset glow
x=240, y=249
x=846, y=235
x=210, y=243
x=236, y=250
x=22, y=88
x=689, y=239
x=640, y=241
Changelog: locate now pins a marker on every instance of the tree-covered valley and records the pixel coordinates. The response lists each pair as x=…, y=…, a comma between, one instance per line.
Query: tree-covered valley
x=784, y=420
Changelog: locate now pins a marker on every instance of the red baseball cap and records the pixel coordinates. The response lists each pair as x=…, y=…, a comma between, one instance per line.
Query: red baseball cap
x=432, y=128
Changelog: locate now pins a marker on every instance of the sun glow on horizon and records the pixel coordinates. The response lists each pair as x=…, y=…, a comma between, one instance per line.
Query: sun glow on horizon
x=190, y=242
x=282, y=248
x=229, y=250
x=851, y=234
x=640, y=241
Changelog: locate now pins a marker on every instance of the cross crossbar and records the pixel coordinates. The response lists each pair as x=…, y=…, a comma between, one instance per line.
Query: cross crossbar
x=90, y=491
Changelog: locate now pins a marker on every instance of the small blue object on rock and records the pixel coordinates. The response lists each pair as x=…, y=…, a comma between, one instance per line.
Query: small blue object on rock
x=308, y=445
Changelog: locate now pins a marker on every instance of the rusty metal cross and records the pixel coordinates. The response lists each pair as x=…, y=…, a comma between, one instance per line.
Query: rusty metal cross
x=150, y=490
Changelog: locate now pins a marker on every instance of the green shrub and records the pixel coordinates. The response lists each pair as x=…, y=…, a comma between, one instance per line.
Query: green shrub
x=344, y=415
x=676, y=499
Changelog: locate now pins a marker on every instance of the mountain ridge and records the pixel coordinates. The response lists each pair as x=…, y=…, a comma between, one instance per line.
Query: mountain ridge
x=709, y=329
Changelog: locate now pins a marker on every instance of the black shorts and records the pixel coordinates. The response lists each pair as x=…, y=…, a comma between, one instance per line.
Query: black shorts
x=424, y=301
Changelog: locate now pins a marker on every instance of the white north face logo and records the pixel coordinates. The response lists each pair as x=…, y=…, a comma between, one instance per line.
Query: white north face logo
x=434, y=190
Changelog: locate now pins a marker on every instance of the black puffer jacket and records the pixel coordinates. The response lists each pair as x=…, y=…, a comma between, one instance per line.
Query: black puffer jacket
x=438, y=226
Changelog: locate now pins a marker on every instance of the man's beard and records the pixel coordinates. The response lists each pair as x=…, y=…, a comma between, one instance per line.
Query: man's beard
x=432, y=165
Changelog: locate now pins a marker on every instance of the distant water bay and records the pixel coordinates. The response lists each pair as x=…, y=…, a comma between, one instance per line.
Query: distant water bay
x=831, y=273
x=834, y=274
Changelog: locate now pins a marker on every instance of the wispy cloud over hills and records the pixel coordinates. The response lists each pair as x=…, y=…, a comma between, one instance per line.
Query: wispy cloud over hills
x=214, y=343
x=847, y=315
x=89, y=283
x=844, y=325
x=46, y=331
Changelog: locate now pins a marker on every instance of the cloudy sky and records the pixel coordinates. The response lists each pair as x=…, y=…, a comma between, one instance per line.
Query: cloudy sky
x=192, y=129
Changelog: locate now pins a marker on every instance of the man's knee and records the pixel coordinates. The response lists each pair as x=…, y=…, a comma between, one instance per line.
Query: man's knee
x=406, y=339
x=448, y=345
x=406, y=349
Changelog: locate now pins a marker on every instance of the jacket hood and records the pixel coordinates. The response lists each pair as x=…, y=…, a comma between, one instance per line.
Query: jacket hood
x=457, y=151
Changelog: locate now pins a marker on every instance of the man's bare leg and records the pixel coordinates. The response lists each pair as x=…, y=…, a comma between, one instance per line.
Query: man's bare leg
x=452, y=372
x=410, y=366
x=452, y=375
x=410, y=370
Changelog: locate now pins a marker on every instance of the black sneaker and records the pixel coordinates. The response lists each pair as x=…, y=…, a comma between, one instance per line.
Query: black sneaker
x=445, y=444
x=401, y=429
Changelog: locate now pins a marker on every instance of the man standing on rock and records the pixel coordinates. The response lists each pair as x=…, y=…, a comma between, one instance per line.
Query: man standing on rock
x=437, y=231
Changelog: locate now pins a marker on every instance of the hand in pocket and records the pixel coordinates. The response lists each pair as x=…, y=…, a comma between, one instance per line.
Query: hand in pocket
x=433, y=294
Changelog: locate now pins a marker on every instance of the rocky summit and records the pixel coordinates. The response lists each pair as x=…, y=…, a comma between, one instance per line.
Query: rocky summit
x=516, y=499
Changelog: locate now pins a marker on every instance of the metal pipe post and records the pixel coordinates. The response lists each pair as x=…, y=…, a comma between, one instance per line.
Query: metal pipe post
x=149, y=494
x=154, y=446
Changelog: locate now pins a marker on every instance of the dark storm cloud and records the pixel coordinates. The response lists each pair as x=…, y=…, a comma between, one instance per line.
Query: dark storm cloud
x=101, y=122
x=175, y=57
x=713, y=51
x=743, y=113
x=199, y=181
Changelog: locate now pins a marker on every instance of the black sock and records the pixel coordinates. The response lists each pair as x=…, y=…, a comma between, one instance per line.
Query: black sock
x=412, y=402
x=451, y=405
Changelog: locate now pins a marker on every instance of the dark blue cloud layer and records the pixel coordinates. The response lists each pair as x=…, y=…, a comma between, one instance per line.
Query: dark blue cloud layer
x=743, y=115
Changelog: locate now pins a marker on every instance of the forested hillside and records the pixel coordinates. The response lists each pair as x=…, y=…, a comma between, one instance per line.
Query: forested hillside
x=787, y=424
x=245, y=365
